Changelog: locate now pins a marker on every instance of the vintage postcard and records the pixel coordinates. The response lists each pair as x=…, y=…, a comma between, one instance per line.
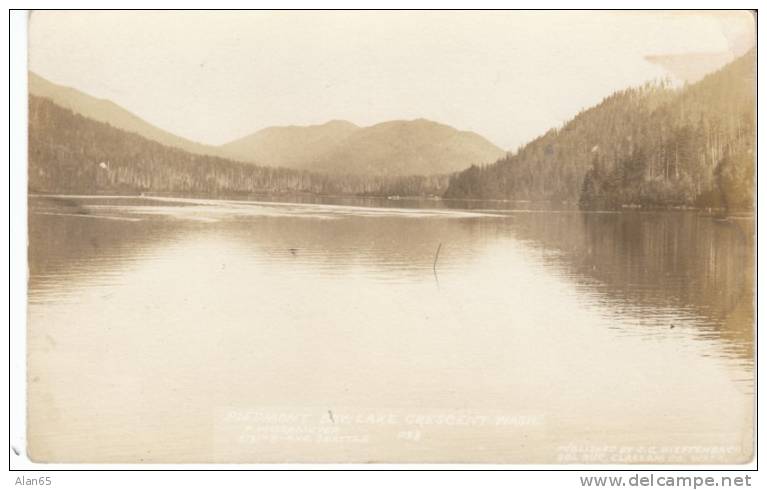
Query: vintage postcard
x=518, y=237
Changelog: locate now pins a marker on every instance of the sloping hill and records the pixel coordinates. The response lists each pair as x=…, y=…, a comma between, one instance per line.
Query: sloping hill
x=418, y=147
x=408, y=147
x=653, y=146
x=106, y=111
x=690, y=67
x=393, y=148
x=290, y=146
x=70, y=153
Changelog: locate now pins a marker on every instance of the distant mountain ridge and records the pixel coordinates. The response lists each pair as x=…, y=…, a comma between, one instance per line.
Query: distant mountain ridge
x=73, y=154
x=690, y=67
x=417, y=147
x=290, y=146
x=393, y=148
x=106, y=111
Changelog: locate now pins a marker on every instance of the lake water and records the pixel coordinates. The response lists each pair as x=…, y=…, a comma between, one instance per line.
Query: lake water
x=187, y=330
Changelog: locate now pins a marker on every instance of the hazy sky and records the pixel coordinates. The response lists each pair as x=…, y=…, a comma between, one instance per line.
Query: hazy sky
x=216, y=76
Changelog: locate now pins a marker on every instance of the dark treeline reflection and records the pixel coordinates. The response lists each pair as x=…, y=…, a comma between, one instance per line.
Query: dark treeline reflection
x=679, y=260
x=683, y=262
x=65, y=242
x=66, y=236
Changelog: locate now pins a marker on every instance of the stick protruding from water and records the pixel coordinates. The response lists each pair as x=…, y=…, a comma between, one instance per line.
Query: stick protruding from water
x=434, y=266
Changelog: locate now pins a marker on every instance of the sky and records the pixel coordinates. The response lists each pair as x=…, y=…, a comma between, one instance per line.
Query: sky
x=213, y=77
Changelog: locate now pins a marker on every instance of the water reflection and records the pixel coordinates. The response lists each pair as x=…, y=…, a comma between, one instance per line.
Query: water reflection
x=674, y=260
x=140, y=306
x=678, y=261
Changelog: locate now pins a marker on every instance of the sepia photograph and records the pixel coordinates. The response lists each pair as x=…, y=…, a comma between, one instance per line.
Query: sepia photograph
x=505, y=237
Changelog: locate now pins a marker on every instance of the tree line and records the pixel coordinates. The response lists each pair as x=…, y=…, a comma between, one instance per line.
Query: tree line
x=655, y=145
x=69, y=153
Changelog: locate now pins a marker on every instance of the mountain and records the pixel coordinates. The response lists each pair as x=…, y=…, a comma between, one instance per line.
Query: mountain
x=71, y=153
x=690, y=67
x=106, y=111
x=649, y=146
x=418, y=147
x=290, y=146
x=408, y=147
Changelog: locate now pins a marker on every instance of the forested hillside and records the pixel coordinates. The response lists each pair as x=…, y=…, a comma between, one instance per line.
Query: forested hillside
x=392, y=148
x=70, y=153
x=106, y=111
x=651, y=146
